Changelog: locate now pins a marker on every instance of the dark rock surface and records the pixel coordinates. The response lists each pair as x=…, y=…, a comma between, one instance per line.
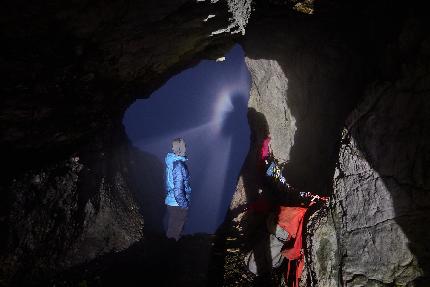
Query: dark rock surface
x=154, y=261
x=381, y=184
x=147, y=183
x=305, y=83
x=342, y=87
x=69, y=71
x=68, y=213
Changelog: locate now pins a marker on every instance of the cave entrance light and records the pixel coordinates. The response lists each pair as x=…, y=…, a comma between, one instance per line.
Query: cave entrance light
x=206, y=106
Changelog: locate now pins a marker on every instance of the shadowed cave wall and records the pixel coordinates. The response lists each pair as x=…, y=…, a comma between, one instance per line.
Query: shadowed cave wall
x=69, y=73
x=319, y=90
x=342, y=91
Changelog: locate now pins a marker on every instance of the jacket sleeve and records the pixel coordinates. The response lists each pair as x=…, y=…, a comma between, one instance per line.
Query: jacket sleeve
x=179, y=185
x=187, y=187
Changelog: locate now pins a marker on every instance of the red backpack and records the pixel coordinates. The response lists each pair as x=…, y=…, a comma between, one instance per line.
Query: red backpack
x=291, y=219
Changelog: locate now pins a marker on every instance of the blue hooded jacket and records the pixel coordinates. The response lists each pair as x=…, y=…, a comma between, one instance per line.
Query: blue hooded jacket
x=177, y=181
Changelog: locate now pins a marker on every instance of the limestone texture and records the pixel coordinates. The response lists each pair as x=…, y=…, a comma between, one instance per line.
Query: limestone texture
x=381, y=184
x=360, y=134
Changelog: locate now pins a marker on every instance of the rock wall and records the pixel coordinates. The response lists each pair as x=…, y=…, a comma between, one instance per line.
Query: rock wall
x=69, y=73
x=268, y=96
x=322, y=259
x=69, y=213
x=352, y=119
x=304, y=84
x=70, y=70
x=381, y=184
x=301, y=94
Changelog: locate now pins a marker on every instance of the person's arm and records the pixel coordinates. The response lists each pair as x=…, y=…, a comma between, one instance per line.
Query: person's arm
x=187, y=185
x=265, y=148
x=179, y=186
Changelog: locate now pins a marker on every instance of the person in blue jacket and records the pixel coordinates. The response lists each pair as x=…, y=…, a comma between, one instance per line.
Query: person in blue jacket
x=178, y=189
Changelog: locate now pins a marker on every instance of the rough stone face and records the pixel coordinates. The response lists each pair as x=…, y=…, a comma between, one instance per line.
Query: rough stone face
x=381, y=185
x=267, y=101
x=70, y=70
x=322, y=259
x=69, y=213
x=113, y=225
x=268, y=96
x=301, y=94
x=304, y=90
x=241, y=11
x=381, y=188
x=374, y=233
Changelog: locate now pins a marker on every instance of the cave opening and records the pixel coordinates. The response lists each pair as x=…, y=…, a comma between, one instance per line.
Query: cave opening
x=206, y=106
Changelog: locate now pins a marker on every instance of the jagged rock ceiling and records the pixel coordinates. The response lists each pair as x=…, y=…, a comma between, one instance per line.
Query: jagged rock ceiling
x=69, y=69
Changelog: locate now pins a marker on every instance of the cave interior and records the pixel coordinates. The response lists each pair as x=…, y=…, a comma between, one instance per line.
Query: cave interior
x=342, y=87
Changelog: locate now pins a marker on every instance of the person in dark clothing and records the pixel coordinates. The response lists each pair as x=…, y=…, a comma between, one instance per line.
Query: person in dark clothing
x=178, y=189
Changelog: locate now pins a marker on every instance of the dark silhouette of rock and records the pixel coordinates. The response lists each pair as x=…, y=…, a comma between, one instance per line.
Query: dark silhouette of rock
x=149, y=187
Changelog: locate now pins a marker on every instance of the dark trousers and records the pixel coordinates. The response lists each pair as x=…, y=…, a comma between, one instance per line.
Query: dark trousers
x=176, y=217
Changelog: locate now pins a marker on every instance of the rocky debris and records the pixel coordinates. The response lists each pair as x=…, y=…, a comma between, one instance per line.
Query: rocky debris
x=235, y=271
